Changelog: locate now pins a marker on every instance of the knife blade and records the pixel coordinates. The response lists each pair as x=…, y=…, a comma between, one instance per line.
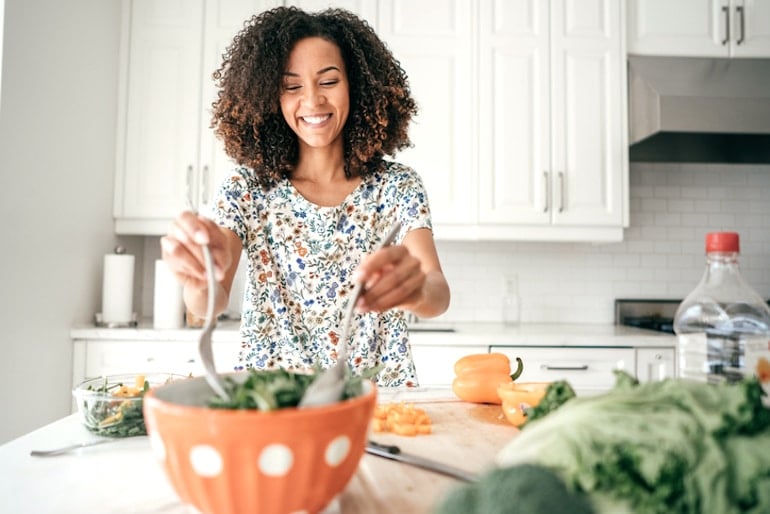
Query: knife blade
x=393, y=452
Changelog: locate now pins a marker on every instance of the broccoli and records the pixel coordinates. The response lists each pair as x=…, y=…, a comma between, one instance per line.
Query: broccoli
x=519, y=489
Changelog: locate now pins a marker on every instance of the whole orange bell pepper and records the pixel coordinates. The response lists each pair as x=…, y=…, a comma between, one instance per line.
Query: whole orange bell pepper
x=478, y=376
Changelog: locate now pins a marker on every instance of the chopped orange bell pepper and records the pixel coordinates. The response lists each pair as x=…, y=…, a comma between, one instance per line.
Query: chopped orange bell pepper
x=401, y=418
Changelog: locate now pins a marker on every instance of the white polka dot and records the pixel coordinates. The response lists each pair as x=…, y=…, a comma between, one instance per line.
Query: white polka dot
x=276, y=460
x=156, y=443
x=337, y=450
x=205, y=460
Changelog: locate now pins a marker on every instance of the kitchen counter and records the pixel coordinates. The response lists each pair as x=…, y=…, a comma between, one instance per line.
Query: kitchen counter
x=124, y=477
x=429, y=333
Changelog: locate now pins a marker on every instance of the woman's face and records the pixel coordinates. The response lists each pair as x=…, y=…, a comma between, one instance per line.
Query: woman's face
x=315, y=97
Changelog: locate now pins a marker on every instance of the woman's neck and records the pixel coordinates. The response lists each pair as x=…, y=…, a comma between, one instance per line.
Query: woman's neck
x=320, y=176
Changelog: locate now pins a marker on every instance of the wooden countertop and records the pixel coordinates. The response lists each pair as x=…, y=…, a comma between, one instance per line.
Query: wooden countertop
x=124, y=476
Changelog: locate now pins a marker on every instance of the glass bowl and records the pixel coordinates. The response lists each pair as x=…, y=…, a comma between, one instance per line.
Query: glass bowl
x=112, y=405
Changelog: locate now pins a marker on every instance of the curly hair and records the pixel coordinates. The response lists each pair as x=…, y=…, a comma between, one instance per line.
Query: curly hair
x=247, y=114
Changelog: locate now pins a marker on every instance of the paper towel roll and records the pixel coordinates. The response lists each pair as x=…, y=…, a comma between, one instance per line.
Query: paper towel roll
x=168, y=303
x=118, y=288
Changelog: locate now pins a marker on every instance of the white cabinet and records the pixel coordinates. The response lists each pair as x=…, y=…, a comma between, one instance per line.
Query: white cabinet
x=521, y=132
x=166, y=150
x=588, y=370
x=699, y=28
x=435, y=364
x=434, y=42
x=94, y=357
x=552, y=146
x=653, y=364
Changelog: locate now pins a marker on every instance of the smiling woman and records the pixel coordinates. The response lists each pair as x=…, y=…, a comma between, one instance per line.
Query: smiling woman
x=308, y=107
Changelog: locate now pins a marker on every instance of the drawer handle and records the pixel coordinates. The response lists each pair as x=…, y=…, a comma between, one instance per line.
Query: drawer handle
x=546, y=367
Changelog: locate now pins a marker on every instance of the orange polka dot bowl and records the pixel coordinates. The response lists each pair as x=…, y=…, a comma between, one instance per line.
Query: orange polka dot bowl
x=227, y=461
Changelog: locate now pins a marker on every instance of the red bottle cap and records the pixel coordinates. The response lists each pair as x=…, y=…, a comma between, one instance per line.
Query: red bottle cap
x=722, y=242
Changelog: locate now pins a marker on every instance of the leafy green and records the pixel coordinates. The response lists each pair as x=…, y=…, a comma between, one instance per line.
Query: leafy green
x=659, y=447
x=273, y=389
x=556, y=394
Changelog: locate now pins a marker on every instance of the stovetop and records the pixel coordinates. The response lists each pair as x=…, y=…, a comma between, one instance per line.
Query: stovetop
x=650, y=314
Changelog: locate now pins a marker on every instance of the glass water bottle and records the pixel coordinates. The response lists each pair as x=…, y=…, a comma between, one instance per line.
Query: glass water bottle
x=723, y=325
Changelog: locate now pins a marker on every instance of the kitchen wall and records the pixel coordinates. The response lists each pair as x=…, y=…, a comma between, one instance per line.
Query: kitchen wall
x=57, y=151
x=662, y=254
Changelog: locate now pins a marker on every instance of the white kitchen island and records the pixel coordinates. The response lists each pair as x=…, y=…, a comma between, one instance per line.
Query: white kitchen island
x=123, y=477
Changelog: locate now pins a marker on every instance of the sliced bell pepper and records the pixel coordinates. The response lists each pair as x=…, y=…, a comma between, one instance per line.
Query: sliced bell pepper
x=516, y=398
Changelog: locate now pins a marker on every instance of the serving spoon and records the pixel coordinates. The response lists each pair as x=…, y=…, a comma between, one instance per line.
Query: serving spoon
x=328, y=387
x=204, y=340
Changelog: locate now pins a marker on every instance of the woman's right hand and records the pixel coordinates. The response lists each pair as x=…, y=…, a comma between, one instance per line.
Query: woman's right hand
x=182, y=251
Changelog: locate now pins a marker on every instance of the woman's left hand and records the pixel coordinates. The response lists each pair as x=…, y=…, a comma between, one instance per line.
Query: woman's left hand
x=392, y=277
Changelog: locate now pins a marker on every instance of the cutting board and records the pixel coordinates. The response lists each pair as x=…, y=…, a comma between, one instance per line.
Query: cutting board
x=464, y=435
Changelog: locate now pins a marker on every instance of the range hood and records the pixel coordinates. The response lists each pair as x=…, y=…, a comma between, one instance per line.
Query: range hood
x=684, y=109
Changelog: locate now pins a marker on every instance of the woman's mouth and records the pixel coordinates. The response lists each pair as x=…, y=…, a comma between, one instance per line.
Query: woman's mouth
x=315, y=120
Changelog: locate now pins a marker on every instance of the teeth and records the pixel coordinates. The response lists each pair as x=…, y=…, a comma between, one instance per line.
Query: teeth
x=315, y=119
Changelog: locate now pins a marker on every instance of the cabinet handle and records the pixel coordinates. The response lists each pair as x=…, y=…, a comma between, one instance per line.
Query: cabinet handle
x=188, y=185
x=742, y=24
x=726, y=11
x=561, y=191
x=191, y=361
x=546, y=367
x=547, y=189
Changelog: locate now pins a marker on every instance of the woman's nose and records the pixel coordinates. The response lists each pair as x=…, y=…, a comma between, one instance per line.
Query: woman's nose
x=313, y=96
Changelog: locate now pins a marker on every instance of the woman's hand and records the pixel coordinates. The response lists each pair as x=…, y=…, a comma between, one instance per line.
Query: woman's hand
x=392, y=277
x=407, y=276
x=183, y=253
x=182, y=250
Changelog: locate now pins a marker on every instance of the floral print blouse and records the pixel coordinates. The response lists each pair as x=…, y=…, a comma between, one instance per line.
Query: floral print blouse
x=300, y=260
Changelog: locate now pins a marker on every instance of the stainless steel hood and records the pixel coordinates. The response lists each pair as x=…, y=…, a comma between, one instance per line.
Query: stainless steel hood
x=685, y=109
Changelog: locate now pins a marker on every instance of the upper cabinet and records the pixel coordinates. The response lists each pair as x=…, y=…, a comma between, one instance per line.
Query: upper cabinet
x=166, y=151
x=552, y=145
x=699, y=28
x=521, y=130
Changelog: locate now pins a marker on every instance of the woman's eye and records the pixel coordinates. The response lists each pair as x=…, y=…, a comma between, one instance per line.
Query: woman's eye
x=291, y=87
x=328, y=83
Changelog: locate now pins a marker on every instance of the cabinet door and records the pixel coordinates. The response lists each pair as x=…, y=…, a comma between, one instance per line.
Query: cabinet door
x=435, y=364
x=158, y=145
x=223, y=19
x=654, y=364
x=433, y=41
x=588, y=152
x=750, y=34
x=696, y=28
x=514, y=106
x=588, y=370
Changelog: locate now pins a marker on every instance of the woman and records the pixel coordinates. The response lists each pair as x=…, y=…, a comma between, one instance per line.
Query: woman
x=309, y=104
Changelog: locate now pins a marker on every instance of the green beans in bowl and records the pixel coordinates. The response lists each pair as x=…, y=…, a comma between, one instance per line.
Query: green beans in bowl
x=111, y=405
